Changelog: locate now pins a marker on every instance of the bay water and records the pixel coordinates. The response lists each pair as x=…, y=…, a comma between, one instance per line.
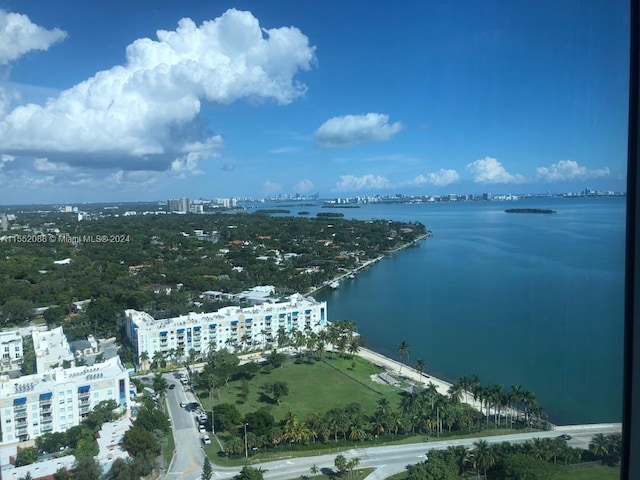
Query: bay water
x=534, y=300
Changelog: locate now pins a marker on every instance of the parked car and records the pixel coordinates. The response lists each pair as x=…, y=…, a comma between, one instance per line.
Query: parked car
x=202, y=429
x=206, y=440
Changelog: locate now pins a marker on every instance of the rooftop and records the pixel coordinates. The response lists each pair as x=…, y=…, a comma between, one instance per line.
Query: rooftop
x=45, y=382
x=144, y=320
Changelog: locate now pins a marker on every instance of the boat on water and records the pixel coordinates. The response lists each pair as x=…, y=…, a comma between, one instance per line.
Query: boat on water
x=351, y=276
x=334, y=284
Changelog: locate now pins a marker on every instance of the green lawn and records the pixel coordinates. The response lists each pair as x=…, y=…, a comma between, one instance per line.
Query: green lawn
x=167, y=452
x=313, y=387
x=591, y=473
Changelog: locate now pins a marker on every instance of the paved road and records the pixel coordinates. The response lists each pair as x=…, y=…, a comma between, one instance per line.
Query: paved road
x=189, y=457
x=387, y=460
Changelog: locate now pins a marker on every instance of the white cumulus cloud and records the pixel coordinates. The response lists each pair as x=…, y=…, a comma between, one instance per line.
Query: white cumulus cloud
x=303, y=186
x=568, y=170
x=351, y=183
x=440, y=178
x=144, y=114
x=19, y=35
x=349, y=130
x=4, y=159
x=271, y=187
x=490, y=170
x=44, y=165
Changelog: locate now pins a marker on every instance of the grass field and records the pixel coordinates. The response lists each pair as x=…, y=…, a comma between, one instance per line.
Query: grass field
x=313, y=387
x=593, y=473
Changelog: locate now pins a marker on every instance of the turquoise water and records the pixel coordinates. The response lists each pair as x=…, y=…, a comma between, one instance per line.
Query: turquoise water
x=517, y=299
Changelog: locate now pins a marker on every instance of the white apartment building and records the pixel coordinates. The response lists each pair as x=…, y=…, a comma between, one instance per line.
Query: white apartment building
x=10, y=350
x=58, y=399
x=229, y=327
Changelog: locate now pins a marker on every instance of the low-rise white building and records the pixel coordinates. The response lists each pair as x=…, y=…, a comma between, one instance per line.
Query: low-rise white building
x=229, y=327
x=11, y=349
x=58, y=399
x=51, y=348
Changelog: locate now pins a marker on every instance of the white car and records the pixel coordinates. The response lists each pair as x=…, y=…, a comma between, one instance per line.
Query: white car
x=183, y=404
x=206, y=440
x=202, y=429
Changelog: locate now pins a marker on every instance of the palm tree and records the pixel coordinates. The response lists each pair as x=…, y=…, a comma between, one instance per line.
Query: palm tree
x=474, y=385
x=465, y=383
x=299, y=340
x=455, y=393
x=354, y=347
x=461, y=455
x=483, y=456
x=211, y=346
x=263, y=333
x=158, y=358
x=431, y=393
x=144, y=358
x=403, y=351
x=179, y=353
x=420, y=366
x=320, y=348
x=311, y=342
x=282, y=338
x=160, y=385
x=599, y=446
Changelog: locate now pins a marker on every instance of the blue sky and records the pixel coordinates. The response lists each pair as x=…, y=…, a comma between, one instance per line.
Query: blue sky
x=102, y=101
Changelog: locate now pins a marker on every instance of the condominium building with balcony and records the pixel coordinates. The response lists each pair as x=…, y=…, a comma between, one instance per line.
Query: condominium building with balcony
x=234, y=328
x=59, y=399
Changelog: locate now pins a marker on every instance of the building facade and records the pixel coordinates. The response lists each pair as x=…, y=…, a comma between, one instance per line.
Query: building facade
x=58, y=399
x=178, y=205
x=11, y=350
x=52, y=349
x=230, y=327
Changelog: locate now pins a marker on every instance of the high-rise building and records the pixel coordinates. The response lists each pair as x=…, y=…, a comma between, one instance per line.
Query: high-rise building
x=178, y=205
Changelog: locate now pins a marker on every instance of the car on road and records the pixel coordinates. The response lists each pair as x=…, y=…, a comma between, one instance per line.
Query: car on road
x=172, y=386
x=565, y=436
x=206, y=440
x=183, y=404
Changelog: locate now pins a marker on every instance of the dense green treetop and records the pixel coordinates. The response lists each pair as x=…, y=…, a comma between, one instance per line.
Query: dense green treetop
x=156, y=263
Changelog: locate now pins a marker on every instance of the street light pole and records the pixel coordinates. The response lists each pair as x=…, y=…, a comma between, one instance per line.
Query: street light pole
x=213, y=423
x=246, y=450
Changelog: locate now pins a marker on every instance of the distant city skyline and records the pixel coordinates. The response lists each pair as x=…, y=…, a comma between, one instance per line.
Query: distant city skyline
x=102, y=102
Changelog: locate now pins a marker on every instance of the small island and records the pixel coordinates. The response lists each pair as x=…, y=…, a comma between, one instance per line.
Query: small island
x=529, y=210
